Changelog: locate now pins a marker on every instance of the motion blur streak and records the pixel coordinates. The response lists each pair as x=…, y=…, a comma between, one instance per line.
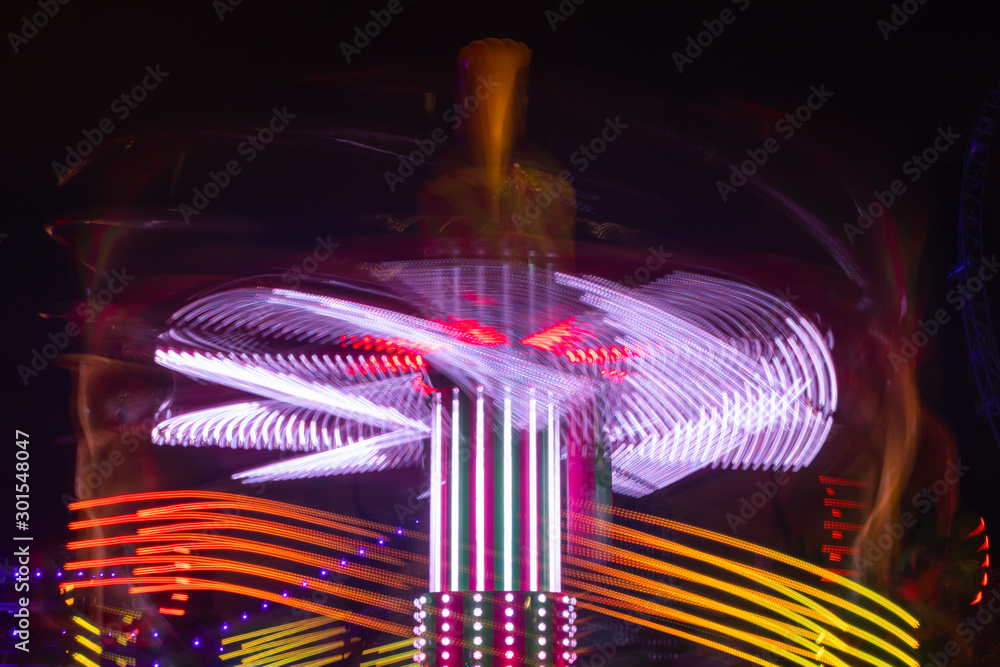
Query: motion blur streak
x=269, y=506
x=814, y=630
x=154, y=584
x=770, y=553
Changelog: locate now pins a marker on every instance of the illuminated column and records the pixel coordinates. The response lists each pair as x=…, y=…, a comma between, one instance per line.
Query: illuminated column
x=500, y=504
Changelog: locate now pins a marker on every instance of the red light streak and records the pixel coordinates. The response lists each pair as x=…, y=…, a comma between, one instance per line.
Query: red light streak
x=474, y=333
x=832, y=549
x=840, y=525
x=558, y=337
x=979, y=529
x=835, y=502
x=388, y=346
x=167, y=611
x=839, y=481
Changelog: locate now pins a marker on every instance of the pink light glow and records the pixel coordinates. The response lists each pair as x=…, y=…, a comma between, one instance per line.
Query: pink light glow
x=692, y=371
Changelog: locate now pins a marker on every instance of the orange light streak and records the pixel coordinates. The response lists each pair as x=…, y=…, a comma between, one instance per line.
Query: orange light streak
x=769, y=602
x=274, y=506
x=201, y=563
x=148, y=585
x=603, y=527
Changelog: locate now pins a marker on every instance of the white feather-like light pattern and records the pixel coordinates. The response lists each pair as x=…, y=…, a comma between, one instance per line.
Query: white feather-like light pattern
x=690, y=371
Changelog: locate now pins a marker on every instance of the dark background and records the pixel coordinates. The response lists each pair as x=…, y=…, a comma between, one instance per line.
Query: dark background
x=890, y=96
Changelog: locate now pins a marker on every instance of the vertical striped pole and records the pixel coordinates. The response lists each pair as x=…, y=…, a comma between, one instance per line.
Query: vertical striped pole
x=532, y=492
x=453, y=482
x=436, y=505
x=508, y=495
x=552, y=439
x=480, y=493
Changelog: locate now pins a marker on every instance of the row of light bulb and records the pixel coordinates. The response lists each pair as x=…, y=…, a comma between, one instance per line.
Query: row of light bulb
x=569, y=627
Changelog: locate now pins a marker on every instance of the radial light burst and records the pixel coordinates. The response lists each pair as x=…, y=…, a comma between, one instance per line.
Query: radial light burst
x=687, y=372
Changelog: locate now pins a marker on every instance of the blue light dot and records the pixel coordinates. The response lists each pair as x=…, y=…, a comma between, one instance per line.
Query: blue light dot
x=343, y=561
x=305, y=583
x=225, y=626
x=399, y=531
x=381, y=540
x=197, y=642
x=361, y=552
x=79, y=573
x=112, y=574
x=263, y=605
x=59, y=574
x=155, y=633
x=244, y=616
x=284, y=594
x=322, y=573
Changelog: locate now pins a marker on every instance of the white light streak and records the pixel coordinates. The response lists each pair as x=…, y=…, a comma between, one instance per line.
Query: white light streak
x=508, y=495
x=436, y=509
x=532, y=494
x=480, y=493
x=456, y=476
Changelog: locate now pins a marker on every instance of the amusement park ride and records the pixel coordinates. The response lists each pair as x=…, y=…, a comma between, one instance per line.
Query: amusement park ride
x=529, y=393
